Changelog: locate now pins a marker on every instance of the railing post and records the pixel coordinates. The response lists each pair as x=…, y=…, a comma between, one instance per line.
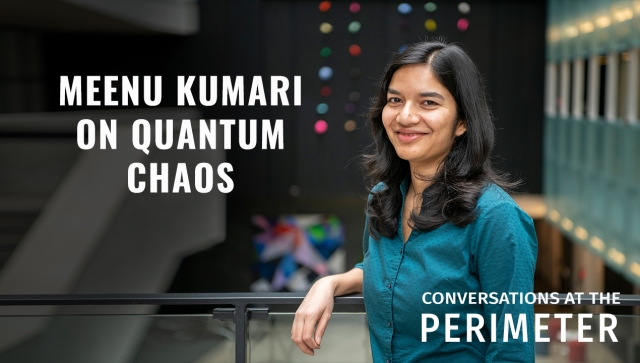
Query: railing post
x=239, y=315
x=241, y=320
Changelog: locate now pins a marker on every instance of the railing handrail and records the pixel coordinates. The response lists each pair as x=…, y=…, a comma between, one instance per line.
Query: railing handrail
x=244, y=305
x=231, y=298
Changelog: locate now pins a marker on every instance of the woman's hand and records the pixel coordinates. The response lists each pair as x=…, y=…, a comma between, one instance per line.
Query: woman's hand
x=314, y=314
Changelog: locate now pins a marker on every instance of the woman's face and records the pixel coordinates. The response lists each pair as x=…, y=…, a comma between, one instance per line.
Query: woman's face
x=420, y=116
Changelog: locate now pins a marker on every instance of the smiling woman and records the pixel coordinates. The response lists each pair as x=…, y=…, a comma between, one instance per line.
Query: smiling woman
x=438, y=220
x=421, y=121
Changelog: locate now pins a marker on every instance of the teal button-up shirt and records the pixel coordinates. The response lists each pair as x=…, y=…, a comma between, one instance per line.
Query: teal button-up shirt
x=495, y=253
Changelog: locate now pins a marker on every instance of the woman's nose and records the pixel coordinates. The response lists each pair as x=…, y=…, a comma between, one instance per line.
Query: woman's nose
x=406, y=116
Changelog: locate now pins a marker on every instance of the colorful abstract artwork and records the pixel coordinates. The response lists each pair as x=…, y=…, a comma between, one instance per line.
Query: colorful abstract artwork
x=292, y=251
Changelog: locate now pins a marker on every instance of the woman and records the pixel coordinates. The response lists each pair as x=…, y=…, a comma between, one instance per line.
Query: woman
x=438, y=220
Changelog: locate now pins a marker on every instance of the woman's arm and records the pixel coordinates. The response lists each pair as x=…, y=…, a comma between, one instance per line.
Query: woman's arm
x=347, y=283
x=315, y=311
x=316, y=308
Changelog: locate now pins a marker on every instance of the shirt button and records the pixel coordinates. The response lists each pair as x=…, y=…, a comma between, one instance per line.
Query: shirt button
x=388, y=323
x=389, y=285
x=400, y=249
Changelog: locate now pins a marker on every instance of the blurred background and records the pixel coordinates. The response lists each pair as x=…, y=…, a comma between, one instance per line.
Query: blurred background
x=562, y=78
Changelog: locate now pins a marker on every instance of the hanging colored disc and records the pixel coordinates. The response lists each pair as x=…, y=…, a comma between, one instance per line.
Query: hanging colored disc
x=354, y=96
x=354, y=27
x=322, y=108
x=430, y=7
x=325, y=91
x=320, y=127
x=326, y=28
x=354, y=50
x=430, y=25
x=464, y=8
x=404, y=8
x=354, y=7
x=325, y=52
x=325, y=73
x=463, y=24
x=350, y=125
x=350, y=108
x=325, y=6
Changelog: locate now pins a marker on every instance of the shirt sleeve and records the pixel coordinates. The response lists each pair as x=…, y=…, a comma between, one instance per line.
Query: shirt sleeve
x=365, y=243
x=505, y=258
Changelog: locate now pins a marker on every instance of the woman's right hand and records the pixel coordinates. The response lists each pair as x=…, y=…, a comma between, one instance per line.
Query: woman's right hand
x=313, y=315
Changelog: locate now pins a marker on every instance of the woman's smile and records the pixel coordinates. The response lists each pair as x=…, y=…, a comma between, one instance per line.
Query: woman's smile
x=409, y=136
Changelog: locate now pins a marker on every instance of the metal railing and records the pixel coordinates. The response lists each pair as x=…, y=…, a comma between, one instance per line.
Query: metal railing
x=240, y=308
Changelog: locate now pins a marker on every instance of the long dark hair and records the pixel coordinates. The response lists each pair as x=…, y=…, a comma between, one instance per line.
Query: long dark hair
x=454, y=190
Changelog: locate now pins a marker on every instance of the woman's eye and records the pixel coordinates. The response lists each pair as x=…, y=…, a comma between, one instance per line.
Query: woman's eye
x=393, y=100
x=430, y=103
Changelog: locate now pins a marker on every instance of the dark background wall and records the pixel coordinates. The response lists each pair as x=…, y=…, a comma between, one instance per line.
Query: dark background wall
x=248, y=38
x=252, y=37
